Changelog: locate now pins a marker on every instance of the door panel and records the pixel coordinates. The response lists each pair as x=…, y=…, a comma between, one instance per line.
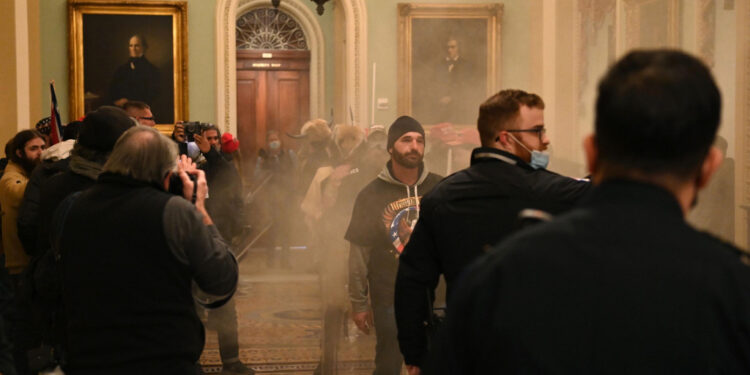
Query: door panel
x=271, y=94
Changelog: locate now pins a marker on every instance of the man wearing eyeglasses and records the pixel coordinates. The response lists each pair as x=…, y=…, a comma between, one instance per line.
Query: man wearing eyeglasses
x=477, y=207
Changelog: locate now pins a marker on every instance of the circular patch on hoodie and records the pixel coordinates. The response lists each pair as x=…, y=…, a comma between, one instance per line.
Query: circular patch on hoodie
x=399, y=219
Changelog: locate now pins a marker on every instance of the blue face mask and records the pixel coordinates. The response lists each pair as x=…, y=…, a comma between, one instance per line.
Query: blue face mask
x=539, y=160
x=274, y=145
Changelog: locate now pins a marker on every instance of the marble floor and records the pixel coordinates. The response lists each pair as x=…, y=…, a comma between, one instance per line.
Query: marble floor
x=279, y=321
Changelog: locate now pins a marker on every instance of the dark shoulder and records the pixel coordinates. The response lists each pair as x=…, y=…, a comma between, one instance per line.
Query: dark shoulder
x=723, y=251
x=432, y=180
x=372, y=187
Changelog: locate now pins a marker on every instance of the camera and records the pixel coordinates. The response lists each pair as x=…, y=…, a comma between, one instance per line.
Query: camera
x=194, y=127
x=176, y=187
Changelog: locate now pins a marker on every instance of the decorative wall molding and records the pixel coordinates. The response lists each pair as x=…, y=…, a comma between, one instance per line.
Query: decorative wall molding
x=227, y=12
x=742, y=126
x=629, y=24
x=23, y=75
x=355, y=13
x=705, y=30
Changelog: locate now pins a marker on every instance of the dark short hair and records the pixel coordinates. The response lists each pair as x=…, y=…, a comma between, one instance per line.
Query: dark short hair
x=18, y=142
x=500, y=111
x=135, y=104
x=657, y=112
x=208, y=127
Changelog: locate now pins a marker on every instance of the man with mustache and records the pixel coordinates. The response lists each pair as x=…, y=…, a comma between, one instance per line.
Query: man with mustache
x=24, y=152
x=382, y=219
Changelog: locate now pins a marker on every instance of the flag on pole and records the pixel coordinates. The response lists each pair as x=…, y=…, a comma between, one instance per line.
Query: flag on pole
x=55, y=125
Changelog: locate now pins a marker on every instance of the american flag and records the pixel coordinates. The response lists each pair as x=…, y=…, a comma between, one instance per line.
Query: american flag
x=55, y=125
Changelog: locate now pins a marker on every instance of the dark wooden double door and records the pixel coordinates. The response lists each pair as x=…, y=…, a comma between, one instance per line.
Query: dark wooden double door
x=273, y=93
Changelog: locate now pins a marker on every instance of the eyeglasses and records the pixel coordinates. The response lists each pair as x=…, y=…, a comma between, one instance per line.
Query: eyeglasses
x=540, y=131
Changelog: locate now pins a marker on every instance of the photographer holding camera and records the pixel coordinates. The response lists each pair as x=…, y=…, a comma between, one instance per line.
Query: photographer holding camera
x=130, y=253
x=222, y=205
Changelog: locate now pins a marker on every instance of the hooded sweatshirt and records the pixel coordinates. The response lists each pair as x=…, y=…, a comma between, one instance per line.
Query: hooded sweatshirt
x=384, y=214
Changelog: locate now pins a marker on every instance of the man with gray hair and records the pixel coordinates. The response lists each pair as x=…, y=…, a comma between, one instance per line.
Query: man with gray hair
x=131, y=254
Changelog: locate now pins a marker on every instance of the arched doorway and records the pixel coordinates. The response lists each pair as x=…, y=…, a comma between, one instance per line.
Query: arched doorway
x=273, y=78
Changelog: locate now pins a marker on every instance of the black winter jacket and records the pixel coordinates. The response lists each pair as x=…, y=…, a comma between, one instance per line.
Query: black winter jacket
x=465, y=214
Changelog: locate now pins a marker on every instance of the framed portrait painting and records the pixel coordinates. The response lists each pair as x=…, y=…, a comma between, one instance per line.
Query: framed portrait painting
x=129, y=51
x=449, y=60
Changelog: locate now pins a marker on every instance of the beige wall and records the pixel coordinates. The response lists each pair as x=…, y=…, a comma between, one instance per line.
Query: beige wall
x=8, y=110
x=19, y=66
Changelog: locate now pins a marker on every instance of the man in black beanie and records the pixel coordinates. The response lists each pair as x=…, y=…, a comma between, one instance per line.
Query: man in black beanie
x=98, y=133
x=383, y=217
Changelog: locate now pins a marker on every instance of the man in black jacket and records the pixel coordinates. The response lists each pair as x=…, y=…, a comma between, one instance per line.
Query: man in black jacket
x=130, y=255
x=621, y=283
x=225, y=207
x=475, y=208
x=98, y=133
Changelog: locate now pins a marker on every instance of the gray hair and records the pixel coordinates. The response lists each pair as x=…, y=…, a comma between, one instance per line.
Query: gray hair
x=143, y=154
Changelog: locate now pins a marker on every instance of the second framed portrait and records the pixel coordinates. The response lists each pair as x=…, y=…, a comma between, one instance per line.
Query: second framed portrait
x=449, y=60
x=124, y=51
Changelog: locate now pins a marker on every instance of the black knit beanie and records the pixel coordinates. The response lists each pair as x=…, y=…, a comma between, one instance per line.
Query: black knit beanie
x=401, y=126
x=102, y=127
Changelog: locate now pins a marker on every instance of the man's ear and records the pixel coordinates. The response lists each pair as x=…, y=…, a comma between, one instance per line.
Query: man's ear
x=19, y=154
x=711, y=164
x=591, y=151
x=503, y=137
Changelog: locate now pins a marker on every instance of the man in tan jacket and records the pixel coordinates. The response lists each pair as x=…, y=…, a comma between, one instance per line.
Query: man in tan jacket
x=24, y=152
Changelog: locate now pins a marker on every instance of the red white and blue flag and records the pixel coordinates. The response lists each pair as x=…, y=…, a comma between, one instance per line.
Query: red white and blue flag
x=55, y=133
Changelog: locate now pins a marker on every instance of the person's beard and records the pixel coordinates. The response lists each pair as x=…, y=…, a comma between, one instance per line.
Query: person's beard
x=405, y=161
x=28, y=165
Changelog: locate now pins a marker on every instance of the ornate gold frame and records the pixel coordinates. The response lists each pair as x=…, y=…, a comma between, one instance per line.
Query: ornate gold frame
x=492, y=12
x=176, y=9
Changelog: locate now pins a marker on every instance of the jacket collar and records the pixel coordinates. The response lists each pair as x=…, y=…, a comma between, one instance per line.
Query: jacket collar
x=631, y=193
x=118, y=179
x=14, y=167
x=484, y=154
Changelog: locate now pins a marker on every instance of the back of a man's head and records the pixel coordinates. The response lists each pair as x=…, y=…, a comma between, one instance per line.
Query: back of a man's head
x=657, y=114
x=143, y=154
x=500, y=111
x=99, y=132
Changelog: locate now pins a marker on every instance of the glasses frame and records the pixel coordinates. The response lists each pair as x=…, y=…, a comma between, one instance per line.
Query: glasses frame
x=539, y=131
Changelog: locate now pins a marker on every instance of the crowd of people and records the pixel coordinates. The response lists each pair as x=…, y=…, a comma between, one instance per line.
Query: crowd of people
x=117, y=239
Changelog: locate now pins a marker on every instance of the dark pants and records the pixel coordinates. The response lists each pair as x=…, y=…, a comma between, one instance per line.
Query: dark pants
x=224, y=321
x=388, y=358
x=7, y=363
x=22, y=333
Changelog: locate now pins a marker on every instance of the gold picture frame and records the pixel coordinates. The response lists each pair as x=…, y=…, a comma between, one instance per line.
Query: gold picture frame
x=99, y=56
x=422, y=30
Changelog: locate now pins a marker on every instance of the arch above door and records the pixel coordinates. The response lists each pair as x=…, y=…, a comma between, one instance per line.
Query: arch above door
x=226, y=56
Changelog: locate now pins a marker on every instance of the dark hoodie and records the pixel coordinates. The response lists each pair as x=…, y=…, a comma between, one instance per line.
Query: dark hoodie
x=383, y=214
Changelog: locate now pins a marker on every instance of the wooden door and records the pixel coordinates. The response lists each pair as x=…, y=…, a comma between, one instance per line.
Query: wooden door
x=273, y=93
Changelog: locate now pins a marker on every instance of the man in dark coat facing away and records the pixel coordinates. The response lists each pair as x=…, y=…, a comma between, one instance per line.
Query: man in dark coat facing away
x=622, y=283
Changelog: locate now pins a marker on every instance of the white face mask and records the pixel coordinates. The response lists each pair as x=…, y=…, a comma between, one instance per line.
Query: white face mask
x=539, y=159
